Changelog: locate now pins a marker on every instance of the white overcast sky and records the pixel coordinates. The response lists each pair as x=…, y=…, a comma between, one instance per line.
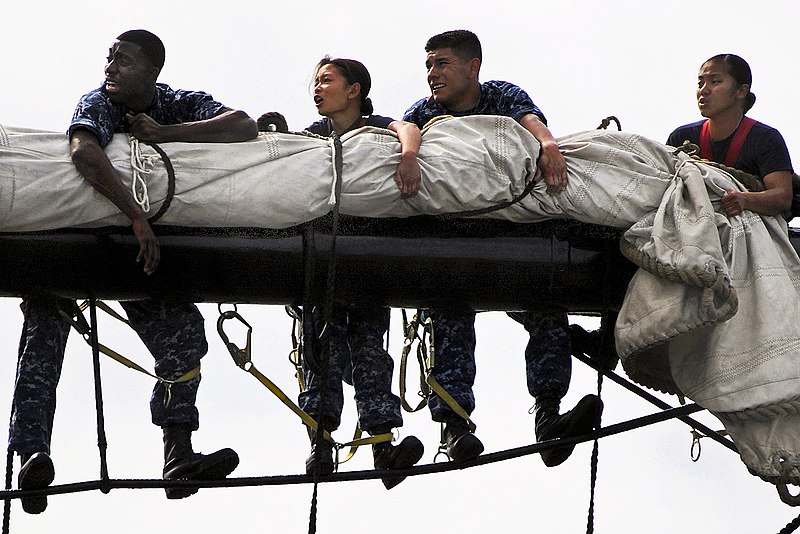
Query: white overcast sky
x=580, y=61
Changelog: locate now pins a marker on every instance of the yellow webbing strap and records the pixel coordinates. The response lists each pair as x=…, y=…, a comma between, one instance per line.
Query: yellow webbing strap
x=429, y=362
x=242, y=358
x=80, y=324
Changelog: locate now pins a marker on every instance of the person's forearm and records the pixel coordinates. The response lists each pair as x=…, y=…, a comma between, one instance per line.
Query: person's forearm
x=93, y=165
x=769, y=202
x=538, y=129
x=228, y=127
x=410, y=138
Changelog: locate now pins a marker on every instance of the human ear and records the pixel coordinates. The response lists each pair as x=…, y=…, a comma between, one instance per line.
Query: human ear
x=354, y=90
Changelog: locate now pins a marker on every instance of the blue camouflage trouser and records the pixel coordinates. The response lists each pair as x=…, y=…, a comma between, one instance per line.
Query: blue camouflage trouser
x=173, y=332
x=454, y=363
x=355, y=336
x=548, y=355
x=548, y=360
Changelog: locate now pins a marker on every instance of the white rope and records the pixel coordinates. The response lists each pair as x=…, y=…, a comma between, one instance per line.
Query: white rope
x=332, y=197
x=141, y=164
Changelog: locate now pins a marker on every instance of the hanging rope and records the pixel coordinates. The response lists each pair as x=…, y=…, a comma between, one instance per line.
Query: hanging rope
x=791, y=527
x=330, y=294
x=594, y=461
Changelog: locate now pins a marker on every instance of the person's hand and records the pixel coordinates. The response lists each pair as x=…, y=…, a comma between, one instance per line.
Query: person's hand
x=149, y=249
x=272, y=121
x=553, y=168
x=734, y=202
x=408, y=176
x=145, y=128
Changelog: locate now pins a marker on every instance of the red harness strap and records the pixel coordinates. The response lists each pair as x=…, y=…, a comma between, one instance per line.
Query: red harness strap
x=732, y=154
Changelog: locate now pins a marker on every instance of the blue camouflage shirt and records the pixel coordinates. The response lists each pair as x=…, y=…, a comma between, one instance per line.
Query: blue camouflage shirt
x=497, y=98
x=98, y=114
x=324, y=127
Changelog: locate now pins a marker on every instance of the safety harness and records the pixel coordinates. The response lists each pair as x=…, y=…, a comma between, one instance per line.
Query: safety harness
x=732, y=153
x=422, y=322
x=81, y=325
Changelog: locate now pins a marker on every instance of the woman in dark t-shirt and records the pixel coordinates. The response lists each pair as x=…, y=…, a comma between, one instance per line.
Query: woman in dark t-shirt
x=727, y=136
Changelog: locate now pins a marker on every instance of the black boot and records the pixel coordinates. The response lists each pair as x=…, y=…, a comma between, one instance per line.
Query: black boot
x=598, y=345
x=181, y=462
x=579, y=421
x=462, y=445
x=37, y=472
x=407, y=453
x=321, y=458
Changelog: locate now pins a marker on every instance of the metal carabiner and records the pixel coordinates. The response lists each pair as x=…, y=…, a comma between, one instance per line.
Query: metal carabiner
x=240, y=356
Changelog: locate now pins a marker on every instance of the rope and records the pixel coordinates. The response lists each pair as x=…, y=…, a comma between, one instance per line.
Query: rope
x=10, y=453
x=605, y=123
x=284, y=480
x=78, y=322
x=791, y=527
x=142, y=165
x=594, y=462
x=170, y=183
x=7, y=502
x=102, y=444
x=336, y=193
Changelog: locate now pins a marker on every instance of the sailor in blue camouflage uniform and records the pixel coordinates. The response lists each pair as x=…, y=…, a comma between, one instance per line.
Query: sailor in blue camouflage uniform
x=355, y=333
x=130, y=101
x=453, y=64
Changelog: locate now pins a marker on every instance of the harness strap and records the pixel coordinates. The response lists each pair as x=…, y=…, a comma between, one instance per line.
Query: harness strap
x=732, y=153
x=427, y=370
x=242, y=358
x=79, y=323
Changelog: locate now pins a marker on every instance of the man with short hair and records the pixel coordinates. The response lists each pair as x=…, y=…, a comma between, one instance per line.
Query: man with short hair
x=453, y=64
x=130, y=100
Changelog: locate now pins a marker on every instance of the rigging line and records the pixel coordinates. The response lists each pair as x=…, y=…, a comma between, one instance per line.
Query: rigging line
x=713, y=434
x=282, y=480
x=10, y=453
x=7, y=502
x=330, y=294
x=102, y=444
x=791, y=527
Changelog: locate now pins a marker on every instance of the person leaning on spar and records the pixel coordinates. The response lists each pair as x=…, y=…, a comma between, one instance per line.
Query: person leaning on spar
x=453, y=63
x=356, y=332
x=726, y=135
x=130, y=101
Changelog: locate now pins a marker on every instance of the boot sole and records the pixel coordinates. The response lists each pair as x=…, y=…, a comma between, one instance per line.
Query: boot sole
x=38, y=473
x=215, y=466
x=410, y=455
x=466, y=448
x=579, y=427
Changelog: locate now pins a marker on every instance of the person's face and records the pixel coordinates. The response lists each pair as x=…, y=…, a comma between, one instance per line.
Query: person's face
x=718, y=91
x=332, y=93
x=130, y=76
x=450, y=77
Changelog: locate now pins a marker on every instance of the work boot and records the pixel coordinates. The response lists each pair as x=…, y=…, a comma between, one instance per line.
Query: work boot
x=579, y=421
x=597, y=344
x=387, y=456
x=462, y=445
x=181, y=462
x=37, y=472
x=321, y=458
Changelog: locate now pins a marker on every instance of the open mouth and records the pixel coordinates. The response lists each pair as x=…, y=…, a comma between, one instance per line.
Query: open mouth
x=111, y=86
x=317, y=100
